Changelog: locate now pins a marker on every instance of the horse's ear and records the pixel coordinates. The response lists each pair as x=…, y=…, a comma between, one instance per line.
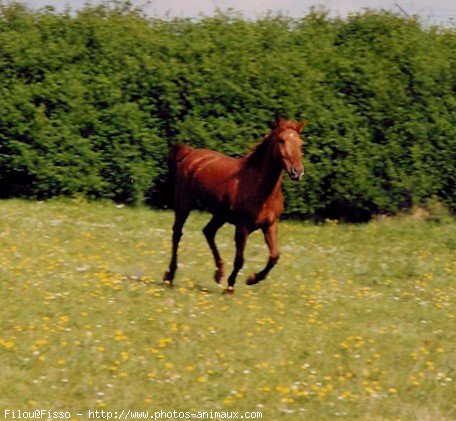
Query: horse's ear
x=280, y=122
x=277, y=119
x=300, y=125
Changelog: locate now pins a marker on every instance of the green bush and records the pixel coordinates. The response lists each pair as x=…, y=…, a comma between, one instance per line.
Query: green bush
x=91, y=101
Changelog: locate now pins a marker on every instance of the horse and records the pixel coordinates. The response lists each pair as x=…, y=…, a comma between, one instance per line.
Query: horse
x=245, y=192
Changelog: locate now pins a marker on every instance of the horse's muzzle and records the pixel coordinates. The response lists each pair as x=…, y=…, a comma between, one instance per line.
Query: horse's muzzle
x=296, y=173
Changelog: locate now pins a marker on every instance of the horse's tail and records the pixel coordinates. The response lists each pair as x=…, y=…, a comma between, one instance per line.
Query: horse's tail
x=175, y=156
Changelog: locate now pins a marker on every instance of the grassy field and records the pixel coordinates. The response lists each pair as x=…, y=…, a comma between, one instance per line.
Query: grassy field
x=355, y=322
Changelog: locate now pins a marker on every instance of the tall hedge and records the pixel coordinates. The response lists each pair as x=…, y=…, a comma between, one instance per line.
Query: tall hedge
x=90, y=102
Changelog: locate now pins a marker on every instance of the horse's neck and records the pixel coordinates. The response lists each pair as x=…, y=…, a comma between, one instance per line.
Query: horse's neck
x=267, y=172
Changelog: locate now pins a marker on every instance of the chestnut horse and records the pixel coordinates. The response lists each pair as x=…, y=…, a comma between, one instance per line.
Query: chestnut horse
x=243, y=191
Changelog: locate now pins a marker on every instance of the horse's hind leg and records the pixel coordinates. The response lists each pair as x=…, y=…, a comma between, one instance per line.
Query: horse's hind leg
x=209, y=232
x=241, y=239
x=270, y=236
x=179, y=220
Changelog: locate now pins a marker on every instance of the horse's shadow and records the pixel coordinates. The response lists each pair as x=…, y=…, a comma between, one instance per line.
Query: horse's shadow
x=192, y=285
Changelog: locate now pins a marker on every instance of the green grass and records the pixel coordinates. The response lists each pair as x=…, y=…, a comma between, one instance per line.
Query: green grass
x=355, y=322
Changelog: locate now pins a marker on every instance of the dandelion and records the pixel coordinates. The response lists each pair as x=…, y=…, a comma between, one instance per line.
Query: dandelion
x=430, y=365
x=344, y=345
x=164, y=342
x=64, y=319
x=283, y=389
x=119, y=336
x=228, y=400
x=414, y=381
x=424, y=351
x=7, y=344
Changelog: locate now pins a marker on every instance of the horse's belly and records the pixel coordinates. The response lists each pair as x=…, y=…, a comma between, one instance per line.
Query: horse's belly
x=211, y=190
x=218, y=191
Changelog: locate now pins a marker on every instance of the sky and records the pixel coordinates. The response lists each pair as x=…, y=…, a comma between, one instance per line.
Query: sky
x=430, y=11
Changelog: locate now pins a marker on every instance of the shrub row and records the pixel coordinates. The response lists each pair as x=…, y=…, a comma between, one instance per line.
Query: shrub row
x=91, y=101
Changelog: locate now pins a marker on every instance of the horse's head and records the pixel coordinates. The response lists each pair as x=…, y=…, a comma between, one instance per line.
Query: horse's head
x=287, y=144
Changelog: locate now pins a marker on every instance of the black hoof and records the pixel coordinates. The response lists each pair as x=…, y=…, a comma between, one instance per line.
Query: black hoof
x=168, y=279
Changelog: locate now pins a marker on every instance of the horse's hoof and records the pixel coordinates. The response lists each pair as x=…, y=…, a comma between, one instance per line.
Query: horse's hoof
x=228, y=291
x=218, y=276
x=168, y=279
x=252, y=279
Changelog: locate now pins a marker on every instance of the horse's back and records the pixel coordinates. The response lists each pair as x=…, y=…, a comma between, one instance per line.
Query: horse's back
x=189, y=161
x=203, y=176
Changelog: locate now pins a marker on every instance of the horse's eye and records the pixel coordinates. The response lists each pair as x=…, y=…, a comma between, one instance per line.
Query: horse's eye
x=281, y=141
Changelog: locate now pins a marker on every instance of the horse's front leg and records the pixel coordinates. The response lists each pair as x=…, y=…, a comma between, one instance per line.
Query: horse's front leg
x=270, y=236
x=241, y=239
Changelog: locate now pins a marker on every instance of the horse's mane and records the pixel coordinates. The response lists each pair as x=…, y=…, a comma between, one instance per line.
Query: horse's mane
x=254, y=158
